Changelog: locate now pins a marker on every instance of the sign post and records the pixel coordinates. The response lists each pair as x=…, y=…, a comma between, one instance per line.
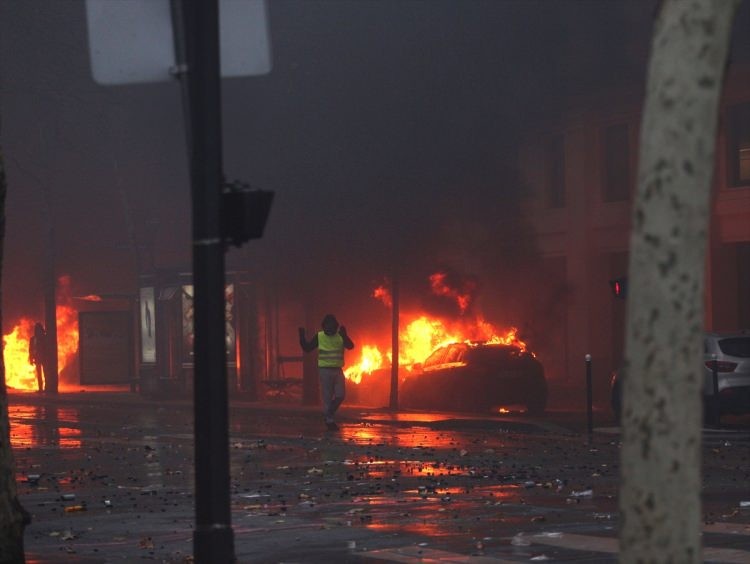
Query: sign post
x=213, y=538
x=134, y=41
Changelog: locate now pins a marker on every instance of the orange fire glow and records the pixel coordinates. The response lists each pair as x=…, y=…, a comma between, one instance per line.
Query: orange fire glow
x=463, y=294
x=59, y=427
x=421, y=334
x=19, y=373
x=424, y=334
x=384, y=295
x=370, y=360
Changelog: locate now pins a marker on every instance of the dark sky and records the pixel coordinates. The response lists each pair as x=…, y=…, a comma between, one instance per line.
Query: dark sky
x=387, y=129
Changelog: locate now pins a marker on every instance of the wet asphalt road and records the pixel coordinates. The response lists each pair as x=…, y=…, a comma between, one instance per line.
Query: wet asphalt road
x=108, y=478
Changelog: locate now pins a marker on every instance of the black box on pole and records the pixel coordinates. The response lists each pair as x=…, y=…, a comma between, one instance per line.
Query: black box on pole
x=244, y=214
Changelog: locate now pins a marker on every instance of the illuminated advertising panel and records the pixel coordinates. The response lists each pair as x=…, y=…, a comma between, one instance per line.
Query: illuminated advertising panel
x=188, y=325
x=148, y=326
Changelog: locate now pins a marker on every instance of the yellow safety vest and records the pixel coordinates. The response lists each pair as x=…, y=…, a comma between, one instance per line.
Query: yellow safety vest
x=330, y=350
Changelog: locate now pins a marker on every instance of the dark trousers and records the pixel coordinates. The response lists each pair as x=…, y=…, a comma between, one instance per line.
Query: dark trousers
x=332, y=390
x=39, y=377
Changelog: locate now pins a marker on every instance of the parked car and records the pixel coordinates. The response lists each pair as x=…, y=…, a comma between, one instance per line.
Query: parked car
x=730, y=352
x=476, y=377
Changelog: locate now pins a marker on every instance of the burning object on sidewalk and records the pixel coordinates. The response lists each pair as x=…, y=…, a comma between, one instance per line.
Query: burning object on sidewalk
x=19, y=372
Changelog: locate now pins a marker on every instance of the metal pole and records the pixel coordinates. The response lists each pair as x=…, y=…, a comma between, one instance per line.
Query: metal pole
x=394, y=342
x=589, y=398
x=51, y=379
x=213, y=538
x=310, y=381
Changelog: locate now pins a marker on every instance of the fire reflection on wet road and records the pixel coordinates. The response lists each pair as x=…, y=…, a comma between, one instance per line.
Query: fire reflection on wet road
x=44, y=426
x=418, y=481
x=383, y=481
x=380, y=475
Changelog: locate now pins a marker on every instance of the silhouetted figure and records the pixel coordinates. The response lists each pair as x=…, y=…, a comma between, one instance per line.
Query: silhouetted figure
x=330, y=343
x=38, y=354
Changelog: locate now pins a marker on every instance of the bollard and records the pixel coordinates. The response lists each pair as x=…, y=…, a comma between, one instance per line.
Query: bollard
x=715, y=408
x=589, y=397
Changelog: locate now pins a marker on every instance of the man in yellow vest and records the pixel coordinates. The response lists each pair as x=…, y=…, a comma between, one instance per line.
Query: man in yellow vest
x=330, y=342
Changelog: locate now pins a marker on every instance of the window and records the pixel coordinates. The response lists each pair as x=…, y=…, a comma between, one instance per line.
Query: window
x=616, y=158
x=737, y=346
x=454, y=354
x=436, y=357
x=554, y=172
x=738, y=142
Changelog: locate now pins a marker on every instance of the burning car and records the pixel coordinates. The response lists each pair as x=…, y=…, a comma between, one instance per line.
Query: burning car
x=472, y=376
x=463, y=376
x=458, y=362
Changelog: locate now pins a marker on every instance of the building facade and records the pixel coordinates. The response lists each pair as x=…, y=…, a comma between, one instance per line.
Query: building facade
x=580, y=169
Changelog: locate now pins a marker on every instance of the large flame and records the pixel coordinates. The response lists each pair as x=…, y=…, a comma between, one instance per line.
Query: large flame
x=420, y=333
x=370, y=360
x=19, y=373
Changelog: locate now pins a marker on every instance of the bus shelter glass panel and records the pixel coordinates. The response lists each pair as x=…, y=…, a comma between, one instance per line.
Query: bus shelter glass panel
x=188, y=325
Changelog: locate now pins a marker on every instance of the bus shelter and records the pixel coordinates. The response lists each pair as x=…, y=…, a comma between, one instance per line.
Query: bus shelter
x=166, y=334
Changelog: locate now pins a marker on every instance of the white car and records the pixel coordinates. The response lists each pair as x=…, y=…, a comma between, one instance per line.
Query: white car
x=728, y=356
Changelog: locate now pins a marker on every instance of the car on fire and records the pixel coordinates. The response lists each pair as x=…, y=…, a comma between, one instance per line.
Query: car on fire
x=471, y=376
x=729, y=355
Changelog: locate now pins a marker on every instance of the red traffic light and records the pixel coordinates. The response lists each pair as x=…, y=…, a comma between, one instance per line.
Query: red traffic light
x=619, y=287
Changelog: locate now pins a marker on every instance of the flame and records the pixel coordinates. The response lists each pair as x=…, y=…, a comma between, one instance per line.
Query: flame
x=370, y=360
x=67, y=336
x=422, y=335
x=19, y=374
x=384, y=295
x=91, y=298
x=462, y=292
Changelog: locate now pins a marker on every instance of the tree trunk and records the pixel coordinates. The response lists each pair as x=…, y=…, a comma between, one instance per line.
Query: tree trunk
x=661, y=453
x=13, y=518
